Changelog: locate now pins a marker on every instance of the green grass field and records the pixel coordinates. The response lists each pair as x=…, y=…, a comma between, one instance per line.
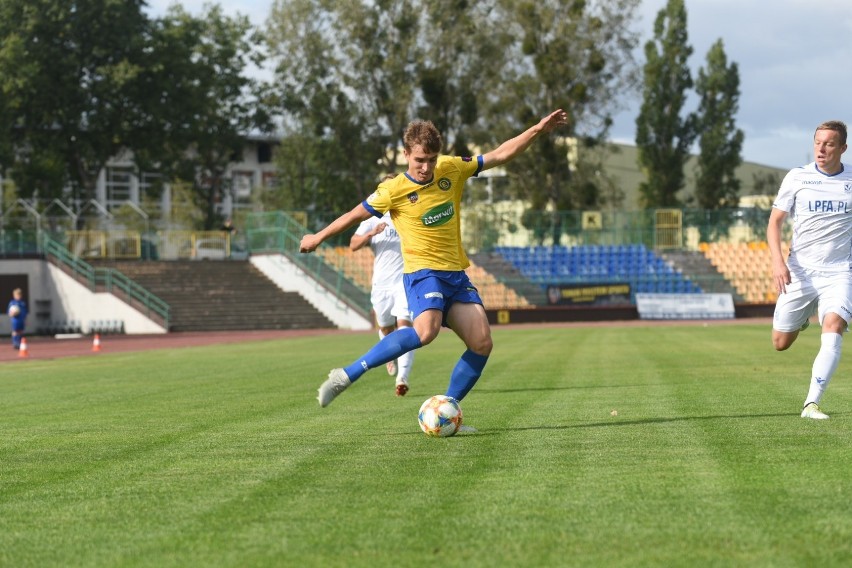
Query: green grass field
x=220, y=456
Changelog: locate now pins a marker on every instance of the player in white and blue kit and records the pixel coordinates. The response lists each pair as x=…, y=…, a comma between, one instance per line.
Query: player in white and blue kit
x=388, y=292
x=817, y=273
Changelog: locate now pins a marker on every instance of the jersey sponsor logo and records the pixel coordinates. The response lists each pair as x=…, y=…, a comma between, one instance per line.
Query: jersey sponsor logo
x=467, y=159
x=828, y=206
x=847, y=187
x=439, y=215
x=413, y=197
x=445, y=184
x=372, y=197
x=812, y=182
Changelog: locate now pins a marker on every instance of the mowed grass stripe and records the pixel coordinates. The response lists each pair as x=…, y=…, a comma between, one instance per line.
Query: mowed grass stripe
x=132, y=442
x=221, y=456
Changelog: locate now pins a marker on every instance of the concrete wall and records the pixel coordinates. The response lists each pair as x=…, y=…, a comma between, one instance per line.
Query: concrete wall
x=55, y=296
x=291, y=278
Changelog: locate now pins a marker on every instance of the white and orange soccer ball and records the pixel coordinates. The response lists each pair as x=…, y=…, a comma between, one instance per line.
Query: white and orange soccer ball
x=440, y=416
x=14, y=310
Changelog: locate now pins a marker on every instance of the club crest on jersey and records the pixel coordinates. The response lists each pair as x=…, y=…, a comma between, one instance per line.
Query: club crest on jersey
x=445, y=184
x=847, y=187
x=439, y=215
x=413, y=197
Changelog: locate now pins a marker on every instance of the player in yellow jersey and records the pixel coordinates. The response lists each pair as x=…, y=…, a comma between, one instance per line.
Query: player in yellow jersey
x=424, y=204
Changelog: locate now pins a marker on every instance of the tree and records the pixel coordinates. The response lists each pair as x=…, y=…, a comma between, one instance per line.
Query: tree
x=573, y=55
x=456, y=76
x=663, y=137
x=86, y=80
x=353, y=73
x=70, y=76
x=344, y=76
x=206, y=105
x=721, y=142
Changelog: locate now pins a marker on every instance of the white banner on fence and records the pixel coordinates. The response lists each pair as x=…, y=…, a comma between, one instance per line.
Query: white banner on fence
x=685, y=306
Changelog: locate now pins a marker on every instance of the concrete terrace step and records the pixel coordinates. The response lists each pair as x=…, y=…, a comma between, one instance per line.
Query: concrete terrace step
x=221, y=296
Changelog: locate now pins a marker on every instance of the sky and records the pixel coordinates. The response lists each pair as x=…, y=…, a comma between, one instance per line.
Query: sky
x=793, y=58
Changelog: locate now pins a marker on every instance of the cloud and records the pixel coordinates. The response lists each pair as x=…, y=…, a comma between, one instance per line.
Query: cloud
x=791, y=56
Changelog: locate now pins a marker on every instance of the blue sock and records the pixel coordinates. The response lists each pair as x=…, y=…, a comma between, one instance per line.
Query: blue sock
x=466, y=373
x=391, y=346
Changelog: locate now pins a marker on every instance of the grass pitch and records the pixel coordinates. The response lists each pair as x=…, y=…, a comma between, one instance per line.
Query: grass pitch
x=220, y=456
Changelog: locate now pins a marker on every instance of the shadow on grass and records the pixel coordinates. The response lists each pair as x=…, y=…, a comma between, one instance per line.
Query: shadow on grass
x=637, y=422
x=486, y=390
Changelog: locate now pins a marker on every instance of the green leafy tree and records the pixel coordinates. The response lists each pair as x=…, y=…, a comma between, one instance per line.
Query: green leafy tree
x=456, y=77
x=207, y=102
x=721, y=142
x=85, y=80
x=663, y=136
x=577, y=56
x=70, y=74
x=344, y=76
x=353, y=73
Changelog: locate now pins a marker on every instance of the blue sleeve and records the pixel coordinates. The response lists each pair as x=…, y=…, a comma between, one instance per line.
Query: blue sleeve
x=372, y=211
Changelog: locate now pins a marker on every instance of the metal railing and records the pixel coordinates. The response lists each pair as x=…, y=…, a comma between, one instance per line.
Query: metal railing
x=106, y=279
x=281, y=233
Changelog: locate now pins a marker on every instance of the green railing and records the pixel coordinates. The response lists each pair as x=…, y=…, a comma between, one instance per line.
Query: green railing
x=18, y=243
x=279, y=232
x=107, y=279
x=488, y=225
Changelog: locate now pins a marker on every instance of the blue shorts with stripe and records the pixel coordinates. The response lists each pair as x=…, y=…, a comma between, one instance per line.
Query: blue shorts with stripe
x=438, y=290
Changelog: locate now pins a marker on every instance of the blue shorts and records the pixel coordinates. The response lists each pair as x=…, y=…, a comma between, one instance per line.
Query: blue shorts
x=438, y=290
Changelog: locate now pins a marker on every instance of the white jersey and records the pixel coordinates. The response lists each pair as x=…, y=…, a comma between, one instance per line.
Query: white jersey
x=387, y=268
x=821, y=208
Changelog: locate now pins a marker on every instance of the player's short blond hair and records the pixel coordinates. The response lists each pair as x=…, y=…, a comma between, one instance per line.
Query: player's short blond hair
x=835, y=125
x=422, y=133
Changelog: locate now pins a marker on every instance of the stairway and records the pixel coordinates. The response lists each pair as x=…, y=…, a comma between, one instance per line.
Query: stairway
x=221, y=296
x=701, y=271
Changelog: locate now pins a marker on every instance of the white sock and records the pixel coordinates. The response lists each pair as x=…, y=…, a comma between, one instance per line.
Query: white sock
x=381, y=335
x=404, y=363
x=824, y=366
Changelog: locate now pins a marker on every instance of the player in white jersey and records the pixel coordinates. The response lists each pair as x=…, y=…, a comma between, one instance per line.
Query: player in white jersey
x=817, y=273
x=388, y=291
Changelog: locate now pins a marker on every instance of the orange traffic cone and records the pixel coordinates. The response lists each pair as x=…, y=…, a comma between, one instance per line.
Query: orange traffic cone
x=96, y=342
x=23, y=351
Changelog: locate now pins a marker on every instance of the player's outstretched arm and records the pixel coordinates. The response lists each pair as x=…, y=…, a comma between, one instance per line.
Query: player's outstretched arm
x=506, y=151
x=311, y=242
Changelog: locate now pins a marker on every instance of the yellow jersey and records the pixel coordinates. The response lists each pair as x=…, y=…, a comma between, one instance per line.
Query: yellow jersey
x=426, y=215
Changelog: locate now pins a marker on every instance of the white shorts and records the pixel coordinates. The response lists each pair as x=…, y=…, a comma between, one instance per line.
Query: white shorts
x=829, y=292
x=390, y=304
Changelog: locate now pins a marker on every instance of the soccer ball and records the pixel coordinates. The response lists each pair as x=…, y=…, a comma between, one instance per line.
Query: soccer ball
x=440, y=416
x=14, y=310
